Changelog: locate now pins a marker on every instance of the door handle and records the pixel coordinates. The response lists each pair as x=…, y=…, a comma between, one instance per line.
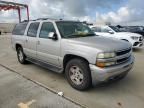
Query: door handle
x=26, y=40
x=38, y=42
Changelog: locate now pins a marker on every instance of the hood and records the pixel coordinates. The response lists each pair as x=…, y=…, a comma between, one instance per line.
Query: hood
x=101, y=43
x=129, y=34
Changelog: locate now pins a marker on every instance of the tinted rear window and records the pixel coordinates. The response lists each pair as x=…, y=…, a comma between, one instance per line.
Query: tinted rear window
x=19, y=29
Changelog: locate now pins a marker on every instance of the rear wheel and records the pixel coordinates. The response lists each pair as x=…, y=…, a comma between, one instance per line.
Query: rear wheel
x=20, y=55
x=78, y=74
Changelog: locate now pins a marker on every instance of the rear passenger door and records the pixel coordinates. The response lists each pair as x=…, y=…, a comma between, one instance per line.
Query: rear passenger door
x=31, y=40
x=48, y=50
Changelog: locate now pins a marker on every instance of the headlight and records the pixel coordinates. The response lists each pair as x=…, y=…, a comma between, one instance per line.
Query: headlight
x=134, y=37
x=105, y=55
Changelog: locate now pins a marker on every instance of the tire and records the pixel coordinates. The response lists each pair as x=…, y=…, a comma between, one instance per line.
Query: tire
x=21, y=56
x=78, y=74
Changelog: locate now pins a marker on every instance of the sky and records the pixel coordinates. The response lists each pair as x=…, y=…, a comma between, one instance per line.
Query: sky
x=99, y=11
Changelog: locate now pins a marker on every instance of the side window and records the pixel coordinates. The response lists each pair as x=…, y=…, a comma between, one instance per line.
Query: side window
x=46, y=28
x=32, y=31
x=19, y=29
x=106, y=30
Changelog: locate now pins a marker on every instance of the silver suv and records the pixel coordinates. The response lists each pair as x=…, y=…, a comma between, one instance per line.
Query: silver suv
x=72, y=48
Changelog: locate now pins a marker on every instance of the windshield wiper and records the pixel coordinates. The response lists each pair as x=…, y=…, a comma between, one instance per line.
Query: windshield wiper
x=72, y=36
x=79, y=35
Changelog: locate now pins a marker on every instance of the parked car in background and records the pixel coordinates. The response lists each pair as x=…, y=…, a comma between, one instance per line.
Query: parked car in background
x=72, y=48
x=133, y=29
x=114, y=32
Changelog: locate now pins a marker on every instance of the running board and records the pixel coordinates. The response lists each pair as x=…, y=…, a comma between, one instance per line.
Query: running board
x=46, y=65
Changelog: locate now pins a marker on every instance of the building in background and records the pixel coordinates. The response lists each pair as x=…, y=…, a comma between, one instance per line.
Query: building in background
x=6, y=27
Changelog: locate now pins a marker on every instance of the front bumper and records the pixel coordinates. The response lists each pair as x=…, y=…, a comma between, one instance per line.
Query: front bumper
x=137, y=44
x=104, y=74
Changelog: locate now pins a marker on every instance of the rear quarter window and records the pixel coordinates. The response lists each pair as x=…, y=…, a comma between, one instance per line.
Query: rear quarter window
x=19, y=29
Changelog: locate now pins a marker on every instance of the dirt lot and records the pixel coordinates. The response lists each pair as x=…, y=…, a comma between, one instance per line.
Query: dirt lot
x=128, y=93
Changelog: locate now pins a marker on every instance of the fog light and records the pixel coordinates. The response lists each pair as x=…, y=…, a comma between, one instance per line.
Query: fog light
x=104, y=64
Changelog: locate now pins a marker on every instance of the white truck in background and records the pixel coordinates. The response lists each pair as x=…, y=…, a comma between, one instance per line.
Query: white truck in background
x=114, y=32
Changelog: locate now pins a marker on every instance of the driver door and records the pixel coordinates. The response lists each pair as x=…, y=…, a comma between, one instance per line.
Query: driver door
x=48, y=50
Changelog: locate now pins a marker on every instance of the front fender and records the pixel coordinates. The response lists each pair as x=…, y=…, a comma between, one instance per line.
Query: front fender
x=91, y=58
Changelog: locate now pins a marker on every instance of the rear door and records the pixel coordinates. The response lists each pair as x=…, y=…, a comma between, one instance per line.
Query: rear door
x=31, y=39
x=48, y=50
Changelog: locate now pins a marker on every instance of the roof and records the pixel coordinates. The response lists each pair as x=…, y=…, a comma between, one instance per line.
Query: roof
x=49, y=19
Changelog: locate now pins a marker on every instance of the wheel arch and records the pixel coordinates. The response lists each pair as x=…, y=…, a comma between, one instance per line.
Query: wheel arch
x=17, y=45
x=69, y=57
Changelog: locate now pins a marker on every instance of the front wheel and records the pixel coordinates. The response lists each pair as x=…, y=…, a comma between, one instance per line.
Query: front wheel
x=78, y=74
x=20, y=55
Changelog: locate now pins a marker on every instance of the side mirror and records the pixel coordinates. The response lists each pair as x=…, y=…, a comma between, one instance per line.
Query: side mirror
x=111, y=32
x=52, y=36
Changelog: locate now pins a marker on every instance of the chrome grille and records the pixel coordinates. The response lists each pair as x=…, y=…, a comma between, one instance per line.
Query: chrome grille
x=122, y=52
x=123, y=55
x=119, y=61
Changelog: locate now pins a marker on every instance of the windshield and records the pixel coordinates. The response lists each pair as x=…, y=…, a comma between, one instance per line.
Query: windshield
x=116, y=29
x=69, y=29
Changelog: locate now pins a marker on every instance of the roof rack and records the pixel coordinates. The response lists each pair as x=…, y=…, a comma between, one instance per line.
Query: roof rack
x=24, y=21
x=29, y=20
x=40, y=19
x=47, y=19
